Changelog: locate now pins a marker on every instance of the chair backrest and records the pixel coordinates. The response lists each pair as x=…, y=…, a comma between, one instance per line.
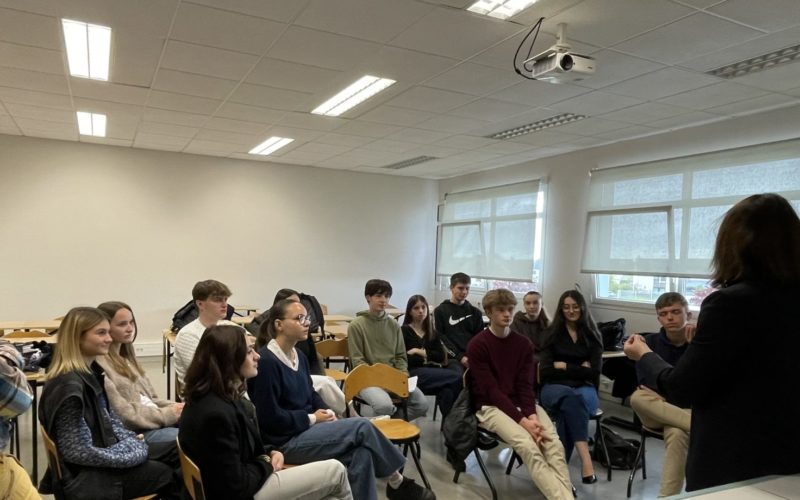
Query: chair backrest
x=380, y=375
x=191, y=475
x=26, y=334
x=52, y=453
x=332, y=348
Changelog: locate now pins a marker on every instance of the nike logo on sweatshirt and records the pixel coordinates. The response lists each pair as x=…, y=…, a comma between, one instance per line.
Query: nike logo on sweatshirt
x=454, y=322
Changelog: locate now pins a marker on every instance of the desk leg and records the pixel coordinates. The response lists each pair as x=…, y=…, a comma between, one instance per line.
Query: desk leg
x=35, y=433
x=169, y=371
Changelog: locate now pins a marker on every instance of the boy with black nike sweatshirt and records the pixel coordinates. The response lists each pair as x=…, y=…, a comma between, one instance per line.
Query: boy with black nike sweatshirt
x=456, y=320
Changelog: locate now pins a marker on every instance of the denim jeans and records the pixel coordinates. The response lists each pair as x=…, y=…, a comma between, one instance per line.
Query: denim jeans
x=163, y=435
x=572, y=407
x=381, y=403
x=356, y=443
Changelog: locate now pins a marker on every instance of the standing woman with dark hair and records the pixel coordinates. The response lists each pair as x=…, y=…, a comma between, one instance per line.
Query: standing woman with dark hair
x=533, y=321
x=569, y=367
x=427, y=358
x=130, y=392
x=738, y=374
x=219, y=430
x=100, y=458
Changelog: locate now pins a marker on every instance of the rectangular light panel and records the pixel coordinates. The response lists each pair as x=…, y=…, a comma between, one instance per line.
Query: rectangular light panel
x=501, y=9
x=270, y=145
x=88, y=49
x=93, y=124
x=356, y=93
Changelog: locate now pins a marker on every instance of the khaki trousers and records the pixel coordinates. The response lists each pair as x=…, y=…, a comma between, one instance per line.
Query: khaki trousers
x=546, y=463
x=655, y=413
x=15, y=484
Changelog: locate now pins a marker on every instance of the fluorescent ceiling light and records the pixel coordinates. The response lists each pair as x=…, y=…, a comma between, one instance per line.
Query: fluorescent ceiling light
x=411, y=161
x=501, y=9
x=270, y=145
x=92, y=124
x=759, y=63
x=553, y=121
x=358, y=92
x=88, y=49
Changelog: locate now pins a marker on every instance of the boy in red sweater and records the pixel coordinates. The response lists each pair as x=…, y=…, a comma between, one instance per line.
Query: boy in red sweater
x=501, y=382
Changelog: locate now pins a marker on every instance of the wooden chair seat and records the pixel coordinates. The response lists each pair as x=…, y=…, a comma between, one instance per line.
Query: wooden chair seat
x=397, y=431
x=337, y=375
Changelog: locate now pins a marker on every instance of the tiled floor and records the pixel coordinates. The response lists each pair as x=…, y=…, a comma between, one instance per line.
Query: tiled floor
x=471, y=485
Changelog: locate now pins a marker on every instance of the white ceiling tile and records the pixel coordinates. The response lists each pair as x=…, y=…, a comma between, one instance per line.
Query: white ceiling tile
x=313, y=122
x=389, y=146
x=749, y=106
x=30, y=29
x=224, y=29
x=96, y=106
x=644, y=113
x=376, y=20
x=180, y=102
x=349, y=141
x=45, y=133
x=322, y=149
x=207, y=60
x=533, y=93
x=278, y=10
x=191, y=84
x=367, y=129
x=442, y=32
x=173, y=117
x=8, y=127
x=454, y=124
x=32, y=58
x=336, y=163
x=713, y=95
x=121, y=126
x=437, y=151
x=627, y=133
x=679, y=41
x=45, y=7
x=769, y=15
x=159, y=141
x=33, y=80
x=29, y=125
x=595, y=103
x=464, y=142
x=300, y=135
x=269, y=97
x=154, y=128
x=107, y=91
x=794, y=92
x=22, y=96
x=302, y=158
x=661, y=83
x=249, y=113
x=146, y=17
x=546, y=138
x=613, y=67
x=396, y=116
x=134, y=58
x=229, y=125
x=592, y=126
x=317, y=48
x=506, y=148
x=407, y=67
x=777, y=78
x=41, y=113
x=230, y=137
x=109, y=141
x=213, y=148
x=428, y=99
x=474, y=79
x=686, y=120
x=600, y=22
x=289, y=75
x=701, y=4
x=419, y=136
x=489, y=109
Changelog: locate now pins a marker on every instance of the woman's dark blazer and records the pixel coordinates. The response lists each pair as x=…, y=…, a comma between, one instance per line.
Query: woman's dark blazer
x=739, y=376
x=222, y=438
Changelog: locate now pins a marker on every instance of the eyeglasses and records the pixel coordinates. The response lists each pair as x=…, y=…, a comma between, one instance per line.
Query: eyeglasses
x=571, y=308
x=301, y=318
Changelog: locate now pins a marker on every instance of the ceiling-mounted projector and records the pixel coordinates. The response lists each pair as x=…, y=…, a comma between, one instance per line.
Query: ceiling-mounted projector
x=558, y=64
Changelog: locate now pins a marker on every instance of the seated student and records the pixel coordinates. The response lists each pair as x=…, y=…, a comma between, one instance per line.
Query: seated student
x=569, y=366
x=130, y=393
x=657, y=412
x=211, y=298
x=101, y=459
x=15, y=399
x=533, y=321
x=220, y=434
x=456, y=320
x=291, y=415
x=374, y=337
x=501, y=382
x=325, y=386
x=427, y=358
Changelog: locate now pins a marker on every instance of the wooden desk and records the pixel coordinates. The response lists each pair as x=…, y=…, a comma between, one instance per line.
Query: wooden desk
x=248, y=310
x=337, y=330
x=613, y=354
x=52, y=339
x=242, y=320
x=335, y=318
x=48, y=325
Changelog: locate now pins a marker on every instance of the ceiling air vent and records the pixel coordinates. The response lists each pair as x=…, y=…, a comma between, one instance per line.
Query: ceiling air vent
x=758, y=63
x=553, y=121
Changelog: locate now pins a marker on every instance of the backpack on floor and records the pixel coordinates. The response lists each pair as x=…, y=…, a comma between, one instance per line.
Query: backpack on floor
x=621, y=451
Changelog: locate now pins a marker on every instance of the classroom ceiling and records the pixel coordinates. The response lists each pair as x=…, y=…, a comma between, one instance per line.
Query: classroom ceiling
x=217, y=77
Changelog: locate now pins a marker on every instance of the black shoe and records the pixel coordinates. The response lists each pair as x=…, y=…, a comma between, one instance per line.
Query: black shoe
x=409, y=490
x=589, y=479
x=574, y=492
x=485, y=442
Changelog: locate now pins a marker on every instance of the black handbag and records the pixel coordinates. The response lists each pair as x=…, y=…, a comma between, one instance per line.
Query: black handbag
x=613, y=333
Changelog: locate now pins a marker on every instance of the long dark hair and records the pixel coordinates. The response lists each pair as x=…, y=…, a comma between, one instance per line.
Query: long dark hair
x=758, y=239
x=124, y=362
x=284, y=293
x=217, y=363
x=427, y=326
x=267, y=330
x=585, y=324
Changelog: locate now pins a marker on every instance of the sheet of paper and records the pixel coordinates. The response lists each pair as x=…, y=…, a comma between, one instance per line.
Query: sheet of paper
x=412, y=384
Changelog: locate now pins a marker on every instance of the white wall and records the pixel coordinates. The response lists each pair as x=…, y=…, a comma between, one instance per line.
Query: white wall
x=85, y=223
x=568, y=185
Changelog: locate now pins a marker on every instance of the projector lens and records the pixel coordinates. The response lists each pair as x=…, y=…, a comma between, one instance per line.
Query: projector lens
x=567, y=62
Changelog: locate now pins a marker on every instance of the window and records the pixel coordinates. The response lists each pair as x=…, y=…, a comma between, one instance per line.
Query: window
x=494, y=235
x=651, y=227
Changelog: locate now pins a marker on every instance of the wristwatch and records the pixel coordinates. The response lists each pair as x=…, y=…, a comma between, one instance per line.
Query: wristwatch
x=266, y=458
